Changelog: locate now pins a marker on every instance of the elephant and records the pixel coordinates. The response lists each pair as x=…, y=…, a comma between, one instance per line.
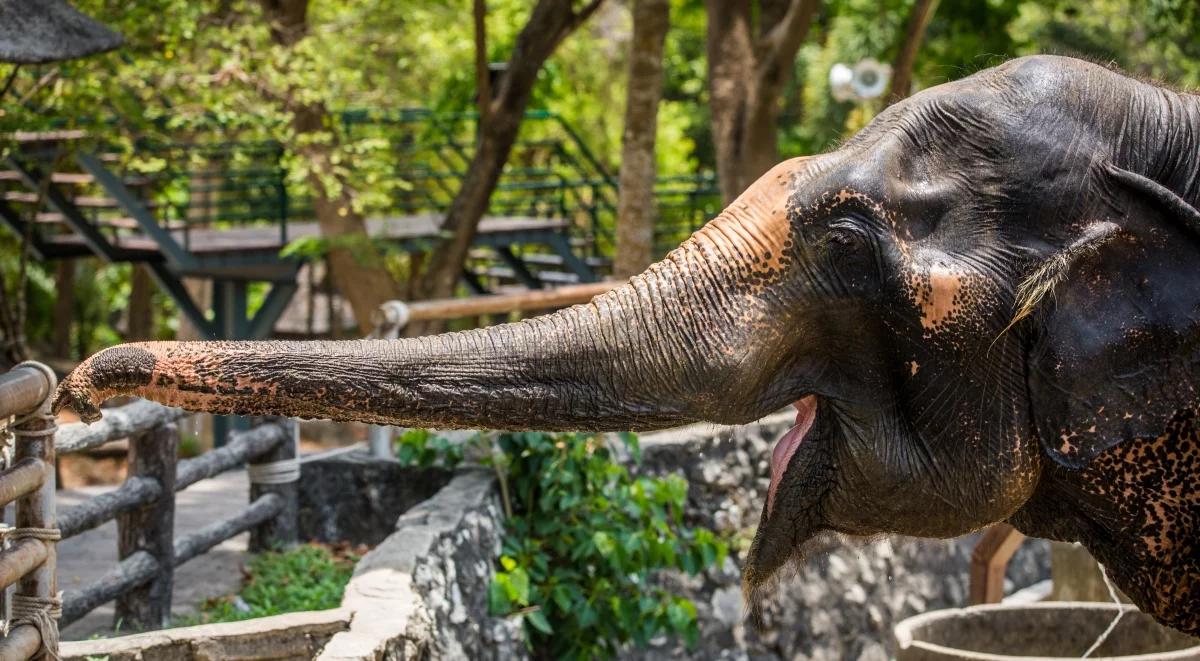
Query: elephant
x=984, y=307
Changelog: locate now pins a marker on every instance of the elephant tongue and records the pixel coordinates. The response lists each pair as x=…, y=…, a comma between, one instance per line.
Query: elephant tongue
x=785, y=447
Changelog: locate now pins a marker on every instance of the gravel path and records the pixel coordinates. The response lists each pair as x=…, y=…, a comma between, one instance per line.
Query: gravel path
x=85, y=557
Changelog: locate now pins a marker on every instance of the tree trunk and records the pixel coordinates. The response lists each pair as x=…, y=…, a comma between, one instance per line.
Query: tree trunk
x=906, y=57
x=64, y=307
x=549, y=23
x=140, y=313
x=483, y=78
x=747, y=71
x=357, y=265
x=635, y=206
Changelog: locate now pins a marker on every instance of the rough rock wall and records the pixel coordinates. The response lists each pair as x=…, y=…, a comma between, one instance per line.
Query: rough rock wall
x=422, y=593
x=348, y=495
x=843, y=602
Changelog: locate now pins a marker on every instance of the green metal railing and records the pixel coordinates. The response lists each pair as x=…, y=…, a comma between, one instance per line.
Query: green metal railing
x=401, y=163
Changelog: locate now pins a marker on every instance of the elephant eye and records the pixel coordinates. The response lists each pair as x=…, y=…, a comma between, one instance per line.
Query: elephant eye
x=846, y=233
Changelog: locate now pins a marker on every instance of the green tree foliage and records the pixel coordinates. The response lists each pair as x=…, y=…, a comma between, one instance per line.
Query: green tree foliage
x=207, y=70
x=585, y=544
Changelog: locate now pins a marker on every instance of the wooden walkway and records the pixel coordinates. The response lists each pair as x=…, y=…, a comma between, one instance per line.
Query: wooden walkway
x=95, y=212
x=270, y=238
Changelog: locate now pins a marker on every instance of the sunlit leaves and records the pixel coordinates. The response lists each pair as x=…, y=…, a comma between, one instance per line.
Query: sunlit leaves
x=588, y=540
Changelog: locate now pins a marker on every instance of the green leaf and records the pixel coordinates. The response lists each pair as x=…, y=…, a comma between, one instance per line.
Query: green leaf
x=498, y=601
x=519, y=586
x=604, y=543
x=539, y=622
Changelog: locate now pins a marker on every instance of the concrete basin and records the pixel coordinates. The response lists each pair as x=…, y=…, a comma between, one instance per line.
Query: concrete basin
x=1047, y=630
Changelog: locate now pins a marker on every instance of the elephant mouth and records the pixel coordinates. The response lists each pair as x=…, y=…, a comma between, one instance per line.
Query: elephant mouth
x=786, y=446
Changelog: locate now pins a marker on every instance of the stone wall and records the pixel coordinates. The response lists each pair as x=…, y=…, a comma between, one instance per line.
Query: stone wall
x=422, y=593
x=843, y=602
x=347, y=495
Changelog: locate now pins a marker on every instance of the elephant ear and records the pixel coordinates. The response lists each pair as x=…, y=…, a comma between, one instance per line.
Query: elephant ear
x=1114, y=315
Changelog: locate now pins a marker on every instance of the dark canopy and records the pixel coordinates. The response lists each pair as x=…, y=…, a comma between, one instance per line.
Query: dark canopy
x=37, y=31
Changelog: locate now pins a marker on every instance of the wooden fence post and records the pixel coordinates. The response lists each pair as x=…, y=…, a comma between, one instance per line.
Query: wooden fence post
x=151, y=529
x=277, y=472
x=989, y=559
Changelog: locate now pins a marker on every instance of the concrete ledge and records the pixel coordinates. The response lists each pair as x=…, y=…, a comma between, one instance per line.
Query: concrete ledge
x=289, y=636
x=422, y=593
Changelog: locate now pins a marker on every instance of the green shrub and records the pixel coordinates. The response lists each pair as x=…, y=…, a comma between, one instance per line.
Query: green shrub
x=584, y=544
x=303, y=579
x=423, y=448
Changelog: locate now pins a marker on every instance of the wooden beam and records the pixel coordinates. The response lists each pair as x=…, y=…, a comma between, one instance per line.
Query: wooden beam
x=453, y=308
x=170, y=248
x=132, y=418
x=989, y=560
x=281, y=531
x=271, y=310
x=135, y=492
x=150, y=529
x=260, y=511
x=20, y=643
x=35, y=440
x=242, y=446
x=19, y=559
x=128, y=574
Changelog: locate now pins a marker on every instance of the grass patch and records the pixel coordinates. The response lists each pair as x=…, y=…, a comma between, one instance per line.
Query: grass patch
x=307, y=578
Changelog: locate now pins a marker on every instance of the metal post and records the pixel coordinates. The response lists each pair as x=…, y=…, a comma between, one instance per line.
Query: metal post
x=36, y=602
x=230, y=323
x=277, y=472
x=379, y=439
x=389, y=320
x=151, y=529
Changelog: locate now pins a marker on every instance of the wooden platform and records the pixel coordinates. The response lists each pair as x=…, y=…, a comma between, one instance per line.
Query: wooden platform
x=269, y=238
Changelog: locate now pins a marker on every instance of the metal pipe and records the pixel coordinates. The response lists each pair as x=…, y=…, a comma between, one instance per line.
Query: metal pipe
x=22, y=389
x=22, y=478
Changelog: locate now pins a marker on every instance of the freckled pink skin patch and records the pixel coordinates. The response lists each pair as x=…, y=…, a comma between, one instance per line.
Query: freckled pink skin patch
x=785, y=447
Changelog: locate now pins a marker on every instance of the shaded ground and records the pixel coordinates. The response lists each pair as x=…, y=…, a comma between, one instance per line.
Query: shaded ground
x=85, y=557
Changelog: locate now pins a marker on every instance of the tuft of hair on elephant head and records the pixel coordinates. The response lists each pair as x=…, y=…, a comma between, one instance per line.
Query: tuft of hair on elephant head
x=984, y=307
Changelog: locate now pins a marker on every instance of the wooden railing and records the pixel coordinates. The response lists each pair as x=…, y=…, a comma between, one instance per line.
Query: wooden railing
x=27, y=559
x=143, y=506
x=393, y=316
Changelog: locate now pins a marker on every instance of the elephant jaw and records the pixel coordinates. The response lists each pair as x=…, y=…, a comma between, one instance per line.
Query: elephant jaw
x=785, y=447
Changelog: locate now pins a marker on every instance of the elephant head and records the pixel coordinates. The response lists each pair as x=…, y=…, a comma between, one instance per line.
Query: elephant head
x=984, y=308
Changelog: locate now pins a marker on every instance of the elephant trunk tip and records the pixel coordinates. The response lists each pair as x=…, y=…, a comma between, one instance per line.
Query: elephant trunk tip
x=113, y=371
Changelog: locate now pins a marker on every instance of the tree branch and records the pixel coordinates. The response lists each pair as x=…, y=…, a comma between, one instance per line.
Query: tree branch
x=483, y=83
x=906, y=57
x=777, y=48
x=583, y=14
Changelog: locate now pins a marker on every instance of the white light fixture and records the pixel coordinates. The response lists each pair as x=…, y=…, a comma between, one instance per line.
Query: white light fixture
x=866, y=80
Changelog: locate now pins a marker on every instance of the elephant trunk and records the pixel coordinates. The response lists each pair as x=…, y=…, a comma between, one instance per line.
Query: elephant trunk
x=661, y=350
